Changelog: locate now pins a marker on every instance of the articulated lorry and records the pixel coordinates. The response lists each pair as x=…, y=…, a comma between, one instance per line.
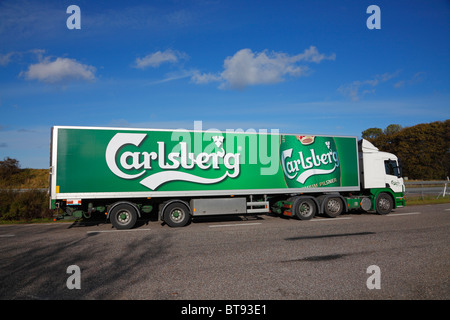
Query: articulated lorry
x=181, y=174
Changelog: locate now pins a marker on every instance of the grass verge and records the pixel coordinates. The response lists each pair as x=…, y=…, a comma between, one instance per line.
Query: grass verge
x=426, y=200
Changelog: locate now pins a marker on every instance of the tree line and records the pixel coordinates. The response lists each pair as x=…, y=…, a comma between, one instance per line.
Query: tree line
x=423, y=149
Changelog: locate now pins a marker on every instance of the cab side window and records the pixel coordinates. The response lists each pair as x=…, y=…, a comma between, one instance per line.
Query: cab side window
x=391, y=167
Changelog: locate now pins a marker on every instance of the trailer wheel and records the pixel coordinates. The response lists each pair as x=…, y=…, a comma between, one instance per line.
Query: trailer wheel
x=176, y=214
x=333, y=207
x=304, y=208
x=123, y=216
x=384, y=203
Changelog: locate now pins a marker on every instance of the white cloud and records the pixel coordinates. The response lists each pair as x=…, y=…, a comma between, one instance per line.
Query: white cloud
x=156, y=59
x=358, y=89
x=59, y=70
x=313, y=55
x=202, y=78
x=5, y=59
x=416, y=78
x=246, y=68
x=173, y=76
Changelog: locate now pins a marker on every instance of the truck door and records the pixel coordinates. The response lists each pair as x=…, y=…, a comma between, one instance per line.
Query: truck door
x=393, y=175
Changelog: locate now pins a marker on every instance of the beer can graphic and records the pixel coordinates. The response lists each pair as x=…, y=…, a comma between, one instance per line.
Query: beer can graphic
x=310, y=161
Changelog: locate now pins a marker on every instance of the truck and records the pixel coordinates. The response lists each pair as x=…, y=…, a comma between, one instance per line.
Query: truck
x=180, y=174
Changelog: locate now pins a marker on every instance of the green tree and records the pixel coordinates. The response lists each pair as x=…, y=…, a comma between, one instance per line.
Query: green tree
x=392, y=129
x=424, y=148
x=372, y=133
x=8, y=167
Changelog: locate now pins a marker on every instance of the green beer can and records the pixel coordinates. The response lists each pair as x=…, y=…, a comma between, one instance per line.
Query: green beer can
x=310, y=161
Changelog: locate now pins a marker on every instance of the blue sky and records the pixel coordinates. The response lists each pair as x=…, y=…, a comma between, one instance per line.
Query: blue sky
x=309, y=67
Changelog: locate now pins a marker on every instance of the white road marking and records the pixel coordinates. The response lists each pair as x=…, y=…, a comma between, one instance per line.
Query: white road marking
x=7, y=235
x=330, y=219
x=234, y=225
x=106, y=231
x=402, y=214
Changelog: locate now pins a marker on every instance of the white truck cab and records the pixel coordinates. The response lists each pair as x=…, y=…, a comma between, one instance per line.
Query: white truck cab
x=381, y=173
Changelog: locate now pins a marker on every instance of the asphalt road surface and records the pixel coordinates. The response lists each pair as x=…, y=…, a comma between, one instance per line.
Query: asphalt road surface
x=267, y=257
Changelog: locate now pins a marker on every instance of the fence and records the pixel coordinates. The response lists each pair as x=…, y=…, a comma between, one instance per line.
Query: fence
x=427, y=188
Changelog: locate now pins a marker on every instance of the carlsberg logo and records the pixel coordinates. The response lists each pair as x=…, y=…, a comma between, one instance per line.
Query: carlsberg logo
x=306, y=166
x=146, y=160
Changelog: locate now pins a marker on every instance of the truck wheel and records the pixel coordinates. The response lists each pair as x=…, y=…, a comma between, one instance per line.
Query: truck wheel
x=123, y=216
x=333, y=207
x=304, y=208
x=384, y=203
x=177, y=214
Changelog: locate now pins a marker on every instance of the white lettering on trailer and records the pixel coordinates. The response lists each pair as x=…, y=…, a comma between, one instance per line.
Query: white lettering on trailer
x=169, y=163
x=309, y=164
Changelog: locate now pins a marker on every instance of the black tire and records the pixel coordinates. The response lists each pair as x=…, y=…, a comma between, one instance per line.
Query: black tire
x=333, y=207
x=176, y=214
x=123, y=216
x=304, y=208
x=384, y=203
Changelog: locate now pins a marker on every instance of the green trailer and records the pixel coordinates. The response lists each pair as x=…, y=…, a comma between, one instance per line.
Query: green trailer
x=181, y=174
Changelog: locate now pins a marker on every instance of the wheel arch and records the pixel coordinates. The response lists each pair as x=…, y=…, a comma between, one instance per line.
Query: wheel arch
x=301, y=197
x=165, y=204
x=376, y=192
x=322, y=200
x=115, y=204
x=316, y=203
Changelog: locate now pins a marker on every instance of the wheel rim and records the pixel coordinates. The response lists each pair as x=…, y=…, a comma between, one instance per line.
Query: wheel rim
x=384, y=204
x=304, y=209
x=177, y=215
x=334, y=206
x=123, y=217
